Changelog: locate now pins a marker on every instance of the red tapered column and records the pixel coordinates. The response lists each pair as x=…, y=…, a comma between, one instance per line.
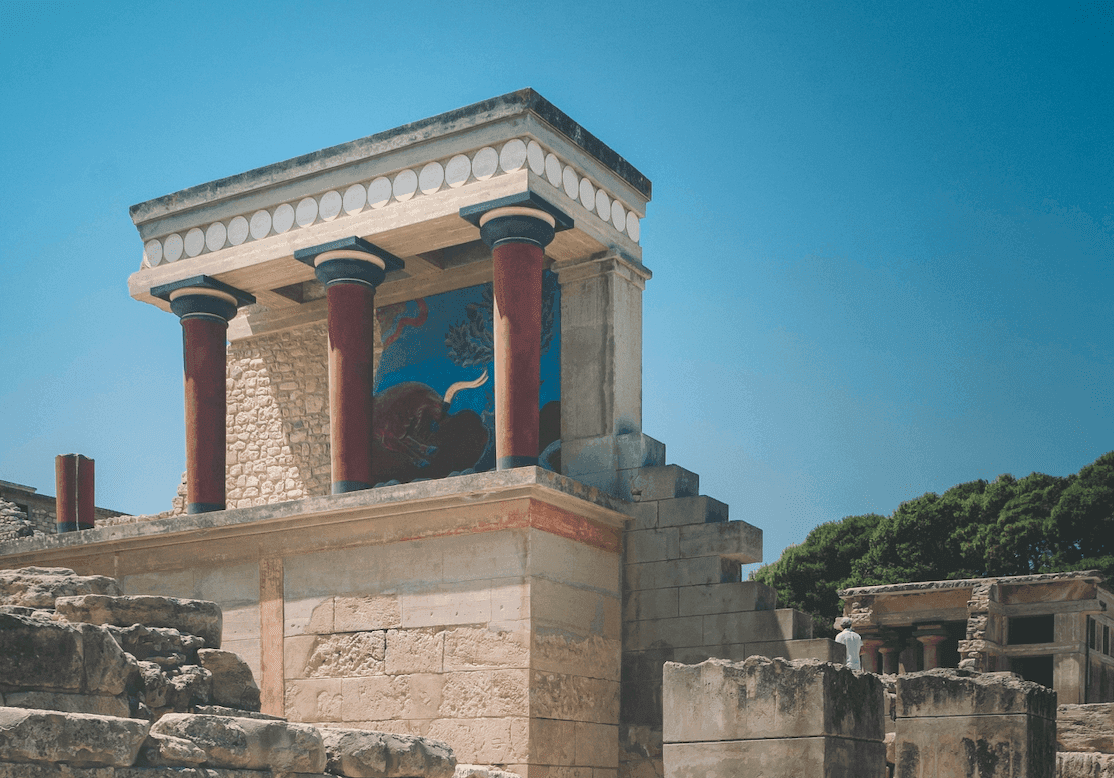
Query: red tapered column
x=517, y=236
x=351, y=383
x=74, y=483
x=205, y=307
x=350, y=269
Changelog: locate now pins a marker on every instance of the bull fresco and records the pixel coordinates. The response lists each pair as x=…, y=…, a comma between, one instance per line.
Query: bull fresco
x=434, y=393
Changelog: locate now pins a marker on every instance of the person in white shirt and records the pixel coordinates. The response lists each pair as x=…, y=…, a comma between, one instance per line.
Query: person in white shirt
x=852, y=641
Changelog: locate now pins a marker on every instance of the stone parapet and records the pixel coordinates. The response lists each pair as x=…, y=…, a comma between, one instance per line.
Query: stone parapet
x=771, y=717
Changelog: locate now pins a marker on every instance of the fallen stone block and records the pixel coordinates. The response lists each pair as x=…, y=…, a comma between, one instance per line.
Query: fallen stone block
x=233, y=684
x=168, y=751
x=248, y=743
x=480, y=771
x=98, y=704
x=40, y=587
x=166, y=646
x=221, y=710
x=78, y=739
x=358, y=753
x=193, y=617
x=40, y=655
x=107, y=667
x=191, y=685
x=1085, y=727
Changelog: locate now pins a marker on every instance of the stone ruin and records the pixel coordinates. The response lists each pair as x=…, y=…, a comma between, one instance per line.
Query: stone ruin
x=95, y=684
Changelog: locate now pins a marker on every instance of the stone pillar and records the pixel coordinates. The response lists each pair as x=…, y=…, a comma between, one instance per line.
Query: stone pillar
x=517, y=229
x=772, y=717
x=889, y=658
x=870, y=653
x=956, y=722
x=205, y=306
x=350, y=269
x=74, y=485
x=931, y=641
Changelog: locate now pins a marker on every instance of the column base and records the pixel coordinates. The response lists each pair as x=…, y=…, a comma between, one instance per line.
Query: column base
x=72, y=526
x=204, y=507
x=344, y=487
x=509, y=463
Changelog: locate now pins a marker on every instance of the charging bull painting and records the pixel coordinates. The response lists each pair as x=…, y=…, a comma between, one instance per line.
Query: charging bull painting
x=434, y=395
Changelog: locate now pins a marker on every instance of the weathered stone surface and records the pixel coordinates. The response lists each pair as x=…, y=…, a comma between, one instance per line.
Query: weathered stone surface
x=249, y=743
x=220, y=710
x=480, y=771
x=155, y=685
x=1085, y=727
x=107, y=666
x=344, y=655
x=822, y=757
x=769, y=698
x=480, y=648
x=39, y=587
x=193, y=617
x=191, y=685
x=951, y=692
x=419, y=650
x=357, y=753
x=38, y=654
x=163, y=645
x=1076, y=764
x=233, y=683
x=99, y=704
x=167, y=751
x=78, y=739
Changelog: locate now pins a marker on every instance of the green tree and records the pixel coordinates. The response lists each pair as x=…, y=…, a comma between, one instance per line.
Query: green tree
x=1084, y=518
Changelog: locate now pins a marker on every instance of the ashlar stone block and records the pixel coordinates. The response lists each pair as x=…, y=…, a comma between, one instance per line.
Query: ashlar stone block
x=248, y=743
x=193, y=617
x=77, y=739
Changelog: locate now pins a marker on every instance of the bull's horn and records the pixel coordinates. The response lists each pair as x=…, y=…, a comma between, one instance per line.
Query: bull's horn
x=464, y=385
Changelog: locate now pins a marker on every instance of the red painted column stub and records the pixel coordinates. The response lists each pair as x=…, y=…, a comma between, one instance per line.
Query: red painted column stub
x=74, y=482
x=205, y=306
x=350, y=269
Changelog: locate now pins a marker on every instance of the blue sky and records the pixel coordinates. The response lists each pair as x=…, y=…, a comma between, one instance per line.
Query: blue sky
x=882, y=234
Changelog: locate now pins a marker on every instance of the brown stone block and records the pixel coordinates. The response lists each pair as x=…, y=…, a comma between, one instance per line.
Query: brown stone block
x=580, y=611
x=559, y=651
x=574, y=698
x=951, y=692
x=381, y=697
x=345, y=655
x=192, y=617
x=40, y=654
x=756, y=626
x=691, y=510
x=490, y=647
x=415, y=651
x=484, y=693
x=651, y=604
x=98, y=704
x=988, y=746
x=679, y=632
x=480, y=740
x=597, y=745
x=248, y=743
x=818, y=756
x=822, y=649
x=1084, y=727
x=679, y=572
x=734, y=540
x=368, y=612
x=769, y=698
x=731, y=597
x=78, y=739
x=650, y=545
x=552, y=742
x=317, y=700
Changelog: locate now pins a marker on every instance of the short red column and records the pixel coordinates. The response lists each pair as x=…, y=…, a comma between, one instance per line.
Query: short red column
x=350, y=269
x=517, y=236
x=74, y=484
x=205, y=307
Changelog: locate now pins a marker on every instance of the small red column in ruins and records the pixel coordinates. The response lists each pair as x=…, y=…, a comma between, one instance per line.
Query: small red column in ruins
x=517, y=234
x=205, y=307
x=74, y=484
x=350, y=269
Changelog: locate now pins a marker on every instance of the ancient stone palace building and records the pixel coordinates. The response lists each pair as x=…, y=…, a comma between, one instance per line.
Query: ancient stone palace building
x=417, y=482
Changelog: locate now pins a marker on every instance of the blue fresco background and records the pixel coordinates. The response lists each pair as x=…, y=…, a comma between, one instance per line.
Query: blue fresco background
x=446, y=338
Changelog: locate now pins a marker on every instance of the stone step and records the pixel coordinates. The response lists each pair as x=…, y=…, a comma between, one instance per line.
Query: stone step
x=659, y=483
x=192, y=617
x=679, y=572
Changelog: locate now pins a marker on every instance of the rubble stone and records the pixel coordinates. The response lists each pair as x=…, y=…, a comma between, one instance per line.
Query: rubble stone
x=79, y=739
x=40, y=587
x=193, y=617
x=99, y=704
x=233, y=684
x=358, y=753
x=248, y=743
x=168, y=751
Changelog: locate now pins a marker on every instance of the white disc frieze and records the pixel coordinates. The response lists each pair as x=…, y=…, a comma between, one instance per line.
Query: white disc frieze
x=535, y=155
x=618, y=215
x=485, y=163
x=283, y=219
x=330, y=205
x=571, y=182
x=355, y=197
x=457, y=171
x=603, y=205
x=553, y=169
x=260, y=224
x=215, y=235
x=152, y=252
x=431, y=178
x=513, y=155
x=379, y=192
x=587, y=194
x=406, y=183
x=306, y=212
x=172, y=247
x=195, y=242
x=634, y=226
x=238, y=230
